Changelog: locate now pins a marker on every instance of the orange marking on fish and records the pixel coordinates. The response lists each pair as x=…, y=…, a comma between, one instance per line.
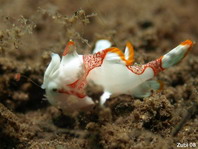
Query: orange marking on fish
x=187, y=42
x=119, y=53
x=68, y=46
x=131, y=53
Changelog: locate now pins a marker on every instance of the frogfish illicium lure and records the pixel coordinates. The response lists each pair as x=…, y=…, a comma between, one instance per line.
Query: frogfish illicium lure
x=65, y=79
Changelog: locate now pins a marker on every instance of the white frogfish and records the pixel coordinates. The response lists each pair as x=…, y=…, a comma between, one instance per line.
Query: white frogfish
x=65, y=79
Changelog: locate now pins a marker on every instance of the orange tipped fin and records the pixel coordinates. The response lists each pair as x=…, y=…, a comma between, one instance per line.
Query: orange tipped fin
x=115, y=55
x=68, y=47
x=129, y=53
x=187, y=42
x=127, y=57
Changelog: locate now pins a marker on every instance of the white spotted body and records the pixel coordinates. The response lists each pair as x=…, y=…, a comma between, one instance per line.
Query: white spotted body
x=65, y=79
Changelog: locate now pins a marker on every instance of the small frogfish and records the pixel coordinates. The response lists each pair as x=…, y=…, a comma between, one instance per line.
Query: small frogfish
x=66, y=78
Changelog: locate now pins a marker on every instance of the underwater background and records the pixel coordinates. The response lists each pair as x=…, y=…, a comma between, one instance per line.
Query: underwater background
x=30, y=30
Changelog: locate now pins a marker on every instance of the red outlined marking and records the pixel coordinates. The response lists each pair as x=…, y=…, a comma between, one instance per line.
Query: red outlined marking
x=155, y=65
x=90, y=61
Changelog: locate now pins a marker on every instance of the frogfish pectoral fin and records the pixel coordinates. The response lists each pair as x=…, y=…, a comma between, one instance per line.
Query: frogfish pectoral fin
x=104, y=97
x=145, y=89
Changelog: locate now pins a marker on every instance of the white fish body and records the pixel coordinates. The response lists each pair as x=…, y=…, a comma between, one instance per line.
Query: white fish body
x=65, y=79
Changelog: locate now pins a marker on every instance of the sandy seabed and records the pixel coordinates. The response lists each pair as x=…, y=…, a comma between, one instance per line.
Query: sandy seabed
x=31, y=29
